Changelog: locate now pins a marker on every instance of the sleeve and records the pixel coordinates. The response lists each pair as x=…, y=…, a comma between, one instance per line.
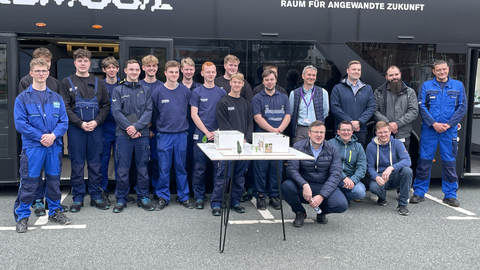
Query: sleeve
x=147, y=113
x=403, y=156
x=221, y=113
x=371, y=160
x=293, y=173
x=248, y=93
x=249, y=123
x=24, y=84
x=69, y=100
x=361, y=166
x=103, y=102
x=62, y=124
x=461, y=110
x=156, y=109
x=22, y=124
x=194, y=98
x=117, y=108
x=326, y=106
x=256, y=105
x=368, y=112
x=335, y=103
x=377, y=115
x=412, y=110
x=426, y=116
x=288, y=109
x=334, y=176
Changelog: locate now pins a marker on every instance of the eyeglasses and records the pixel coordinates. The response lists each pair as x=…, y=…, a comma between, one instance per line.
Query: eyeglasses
x=40, y=71
x=345, y=130
x=317, y=132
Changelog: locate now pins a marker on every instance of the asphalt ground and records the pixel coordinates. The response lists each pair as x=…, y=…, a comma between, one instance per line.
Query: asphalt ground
x=366, y=236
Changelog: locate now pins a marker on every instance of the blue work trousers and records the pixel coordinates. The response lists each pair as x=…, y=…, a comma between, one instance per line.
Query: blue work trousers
x=240, y=169
x=153, y=163
x=398, y=179
x=261, y=169
x=448, y=151
x=124, y=151
x=31, y=164
x=108, y=148
x=356, y=193
x=172, y=147
x=293, y=195
x=85, y=145
x=199, y=168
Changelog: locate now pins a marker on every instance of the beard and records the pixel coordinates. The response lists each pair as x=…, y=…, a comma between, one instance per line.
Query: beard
x=395, y=86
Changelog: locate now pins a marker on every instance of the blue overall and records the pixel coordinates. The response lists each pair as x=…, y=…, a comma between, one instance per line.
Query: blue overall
x=199, y=168
x=447, y=105
x=32, y=122
x=274, y=118
x=240, y=169
x=109, y=127
x=85, y=145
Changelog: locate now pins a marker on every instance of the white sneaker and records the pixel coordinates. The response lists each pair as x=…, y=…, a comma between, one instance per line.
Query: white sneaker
x=373, y=198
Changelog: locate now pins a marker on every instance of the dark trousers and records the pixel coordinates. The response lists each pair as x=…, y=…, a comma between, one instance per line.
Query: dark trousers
x=238, y=182
x=109, y=144
x=199, y=168
x=262, y=168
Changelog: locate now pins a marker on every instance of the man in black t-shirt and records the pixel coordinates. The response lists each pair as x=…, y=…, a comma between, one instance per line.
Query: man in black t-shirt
x=231, y=63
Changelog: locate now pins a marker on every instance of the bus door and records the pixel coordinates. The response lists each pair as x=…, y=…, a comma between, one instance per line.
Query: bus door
x=472, y=138
x=9, y=153
x=137, y=48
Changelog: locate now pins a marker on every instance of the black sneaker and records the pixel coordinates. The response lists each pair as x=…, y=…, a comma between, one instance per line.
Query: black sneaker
x=416, y=199
x=216, y=211
x=100, y=204
x=177, y=199
x=106, y=198
x=76, y=207
x=299, y=218
x=261, y=203
x=130, y=199
x=38, y=208
x=452, y=202
x=160, y=204
x=155, y=197
x=22, y=225
x=64, y=207
x=275, y=202
x=199, y=204
x=119, y=207
x=146, y=204
x=238, y=208
x=187, y=204
x=59, y=217
x=402, y=210
x=381, y=202
x=247, y=196
x=322, y=219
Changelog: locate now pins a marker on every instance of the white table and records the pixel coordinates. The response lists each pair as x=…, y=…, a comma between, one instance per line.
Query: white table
x=228, y=155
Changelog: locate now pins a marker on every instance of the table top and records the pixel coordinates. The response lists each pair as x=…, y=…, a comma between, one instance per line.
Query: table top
x=219, y=154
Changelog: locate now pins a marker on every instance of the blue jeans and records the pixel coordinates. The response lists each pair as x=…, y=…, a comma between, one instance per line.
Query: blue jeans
x=356, y=193
x=398, y=179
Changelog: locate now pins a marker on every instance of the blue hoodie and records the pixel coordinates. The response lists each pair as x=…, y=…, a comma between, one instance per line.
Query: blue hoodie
x=379, y=157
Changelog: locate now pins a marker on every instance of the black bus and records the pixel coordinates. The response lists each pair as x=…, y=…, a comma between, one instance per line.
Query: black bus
x=410, y=34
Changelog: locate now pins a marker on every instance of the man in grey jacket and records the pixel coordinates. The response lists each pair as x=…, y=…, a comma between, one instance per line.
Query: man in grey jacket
x=396, y=104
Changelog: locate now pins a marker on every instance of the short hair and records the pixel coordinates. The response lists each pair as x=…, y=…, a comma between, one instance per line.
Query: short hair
x=309, y=67
x=187, y=61
x=131, y=61
x=207, y=64
x=353, y=62
x=82, y=53
x=238, y=76
x=439, y=62
x=172, y=63
x=149, y=59
x=231, y=58
x=39, y=52
x=109, y=61
x=381, y=124
x=315, y=123
x=345, y=123
x=38, y=62
x=270, y=66
x=267, y=73
x=392, y=66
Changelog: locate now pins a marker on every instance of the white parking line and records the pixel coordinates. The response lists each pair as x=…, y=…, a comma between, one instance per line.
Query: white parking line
x=60, y=227
x=459, y=209
x=462, y=218
x=44, y=219
x=13, y=228
x=265, y=213
x=275, y=221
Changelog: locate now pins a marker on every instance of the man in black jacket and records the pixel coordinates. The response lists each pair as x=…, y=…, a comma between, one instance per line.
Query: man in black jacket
x=315, y=182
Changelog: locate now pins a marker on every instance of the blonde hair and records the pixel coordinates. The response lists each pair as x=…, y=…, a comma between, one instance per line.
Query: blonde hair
x=149, y=59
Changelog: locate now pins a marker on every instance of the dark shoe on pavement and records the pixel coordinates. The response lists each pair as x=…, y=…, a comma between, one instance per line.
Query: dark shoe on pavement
x=59, y=217
x=199, y=204
x=76, y=207
x=452, y=202
x=275, y=202
x=130, y=199
x=146, y=204
x=187, y=204
x=64, y=207
x=216, y=211
x=322, y=219
x=247, y=196
x=119, y=207
x=402, y=210
x=381, y=202
x=155, y=197
x=38, y=208
x=299, y=218
x=177, y=199
x=100, y=204
x=416, y=199
x=106, y=198
x=238, y=208
x=160, y=205
x=22, y=225
x=261, y=203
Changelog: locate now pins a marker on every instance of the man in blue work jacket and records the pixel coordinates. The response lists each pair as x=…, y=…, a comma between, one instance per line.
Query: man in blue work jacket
x=132, y=110
x=442, y=104
x=271, y=112
x=41, y=118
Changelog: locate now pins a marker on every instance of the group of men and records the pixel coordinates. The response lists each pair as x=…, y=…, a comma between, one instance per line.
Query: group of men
x=156, y=121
